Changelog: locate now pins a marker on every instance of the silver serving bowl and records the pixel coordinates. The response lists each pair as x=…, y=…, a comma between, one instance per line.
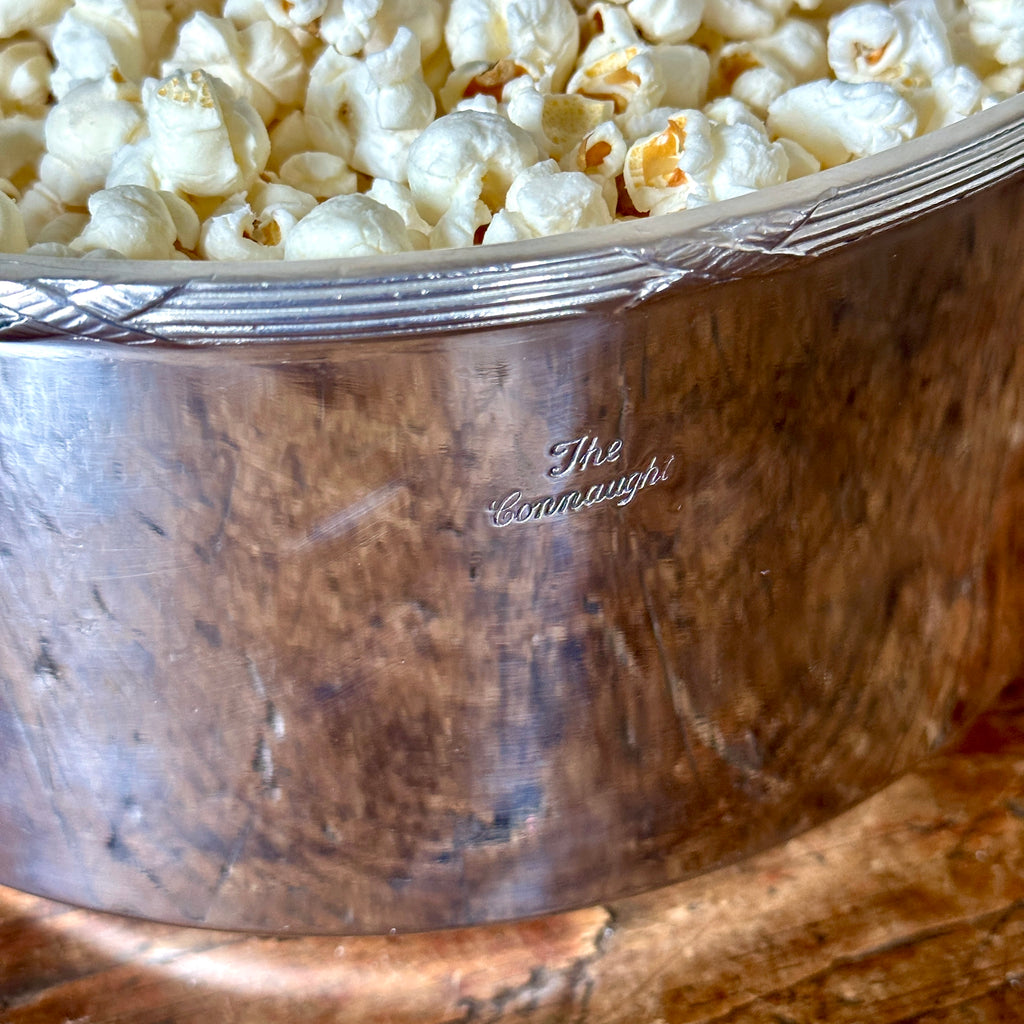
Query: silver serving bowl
x=449, y=588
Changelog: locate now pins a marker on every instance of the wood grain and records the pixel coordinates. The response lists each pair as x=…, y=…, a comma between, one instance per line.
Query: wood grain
x=907, y=908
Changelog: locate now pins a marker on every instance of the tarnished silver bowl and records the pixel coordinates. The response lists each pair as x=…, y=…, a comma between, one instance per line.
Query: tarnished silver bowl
x=449, y=588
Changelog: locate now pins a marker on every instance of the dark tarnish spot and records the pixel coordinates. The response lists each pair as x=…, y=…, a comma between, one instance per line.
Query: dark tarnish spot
x=100, y=603
x=292, y=464
x=45, y=665
x=49, y=523
x=151, y=526
x=953, y=418
x=209, y=631
x=197, y=407
x=117, y=849
x=510, y=815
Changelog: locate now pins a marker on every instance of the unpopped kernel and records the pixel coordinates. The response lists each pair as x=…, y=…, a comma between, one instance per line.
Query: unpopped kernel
x=303, y=129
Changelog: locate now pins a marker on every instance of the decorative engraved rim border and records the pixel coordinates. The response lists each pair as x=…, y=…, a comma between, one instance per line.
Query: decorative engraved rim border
x=599, y=270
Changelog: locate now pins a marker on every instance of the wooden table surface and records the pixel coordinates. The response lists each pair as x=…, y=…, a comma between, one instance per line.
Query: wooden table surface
x=910, y=907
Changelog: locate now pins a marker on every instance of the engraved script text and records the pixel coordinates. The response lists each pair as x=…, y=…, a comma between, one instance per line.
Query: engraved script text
x=572, y=457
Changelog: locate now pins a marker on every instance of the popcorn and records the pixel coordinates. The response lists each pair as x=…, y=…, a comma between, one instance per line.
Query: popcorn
x=757, y=71
x=956, y=93
x=83, y=133
x=39, y=208
x=906, y=44
x=463, y=223
x=99, y=39
x=544, y=201
x=801, y=163
x=205, y=140
x=62, y=229
x=701, y=158
x=638, y=78
x=542, y=35
x=668, y=171
x=1005, y=82
x=557, y=121
x=745, y=158
x=320, y=175
x=57, y=249
x=132, y=221
x=685, y=71
x=601, y=155
x=997, y=26
x=399, y=198
x=24, y=78
x=798, y=46
x=481, y=152
x=293, y=129
x=370, y=111
x=18, y=16
x=351, y=26
x=294, y=12
x=626, y=77
x=478, y=79
x=254, y=227
x=666, y=21
x=345, y=226
x=744, y=19
x=22, y=144
x=402, y=101
x=261, y=62
x=838, y=121
x=13, y=238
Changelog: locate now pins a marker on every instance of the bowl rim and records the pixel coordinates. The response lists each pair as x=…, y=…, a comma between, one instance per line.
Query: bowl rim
x=604, y=269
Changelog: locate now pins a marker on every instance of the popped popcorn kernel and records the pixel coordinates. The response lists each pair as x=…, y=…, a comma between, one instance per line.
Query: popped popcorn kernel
x=702, y=157
x=370, y=111
x=610, y=78
x=13, y=238
x=757, y=71
x=205, y=140
x=479, y=78
x=540, y=34
x=345, y=226
x=254, y=226
x=542, y=200
x=97, y=39
x=262, y=63
x=132, y=221
x=566, y=119
x=666, y=171
x=83, y=132
x=22, y=146
x=666, y=21
x=25, y=70
x=480, y=152
x=18, y=16
x=839, y=121
x=906, y=44
x=367, y=26
x=997, y=26
x=745, y=19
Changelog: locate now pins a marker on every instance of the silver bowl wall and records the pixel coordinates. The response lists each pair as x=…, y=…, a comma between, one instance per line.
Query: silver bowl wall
x=452, y=588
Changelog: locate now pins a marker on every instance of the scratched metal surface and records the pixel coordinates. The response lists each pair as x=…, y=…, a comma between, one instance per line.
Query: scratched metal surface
x=533, y=609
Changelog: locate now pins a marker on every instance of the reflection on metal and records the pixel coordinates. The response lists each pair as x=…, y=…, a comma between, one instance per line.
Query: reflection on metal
x=266, y=662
